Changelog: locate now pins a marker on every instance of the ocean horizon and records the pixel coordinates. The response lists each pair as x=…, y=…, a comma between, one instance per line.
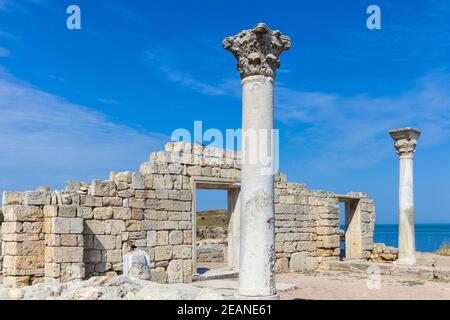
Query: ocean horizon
x=429, y=237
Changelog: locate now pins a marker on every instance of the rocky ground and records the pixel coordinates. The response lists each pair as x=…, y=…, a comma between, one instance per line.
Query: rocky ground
x=356, y=286
x=110, y=288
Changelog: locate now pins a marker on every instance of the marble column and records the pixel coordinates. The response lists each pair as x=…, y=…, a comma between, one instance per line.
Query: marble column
x=257, y=51
x=405, y=145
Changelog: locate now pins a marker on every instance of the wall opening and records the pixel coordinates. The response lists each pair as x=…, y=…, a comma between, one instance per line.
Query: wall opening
x=350, y=224
x=215, y=226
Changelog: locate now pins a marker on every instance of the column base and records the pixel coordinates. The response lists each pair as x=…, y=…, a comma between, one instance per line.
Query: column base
x=405, y=262
x=274, y=297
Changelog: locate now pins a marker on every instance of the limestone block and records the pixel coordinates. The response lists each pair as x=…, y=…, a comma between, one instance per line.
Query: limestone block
x=137, y=214
x=175, y=271
x=92, y=255
x=125, y=176
x=50, y=211
x=94, y=227
x=136, y=265
x=69, y=240
x=72, y=271
x=37, y=198
x=112, y=201
x=187, y=237
x=53, y=240
x=145, y=194
x=105, y=242
x=282, y=265
x=182, y=252
x=162, y=194
x=184, y=225
x=182, y=205
x=12, y=198
x=151, y=238
x=76, y=225
x=194, y=170
x=11, y=227
x=137, y=181
x=19, y=213
x=133, y=225
x=175, y=215
x=99, y=188
x=91, y=201
x=64, y=254
x=114, y=227
x=19, y=265
x=147, y=168
x=187, y=271
x=60, y=225
x=85, y=212
x=114, y=256
x=137, y=203
x=32, y=227
x=163, y=253
x=162, y=238
x=329, y=242
x=121, y=213
x=153, y=204
x=298, y=262
x=16, y=282
x=52, y=270
x=103, y=213
x=176, y=237
x=25, y=248
x=158, y=181
x=159, y=275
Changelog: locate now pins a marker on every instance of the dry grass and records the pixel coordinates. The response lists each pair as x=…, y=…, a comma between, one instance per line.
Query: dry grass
x=212, y=219
x=444, y=250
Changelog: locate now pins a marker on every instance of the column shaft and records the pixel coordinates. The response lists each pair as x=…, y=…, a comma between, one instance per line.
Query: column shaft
x=257, y=254
x=406, y=239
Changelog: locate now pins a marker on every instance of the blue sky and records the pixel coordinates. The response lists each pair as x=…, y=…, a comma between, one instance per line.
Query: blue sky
x=78, y=104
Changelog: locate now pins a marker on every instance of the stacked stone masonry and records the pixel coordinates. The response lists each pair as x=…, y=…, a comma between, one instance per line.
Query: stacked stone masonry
x=86, y=229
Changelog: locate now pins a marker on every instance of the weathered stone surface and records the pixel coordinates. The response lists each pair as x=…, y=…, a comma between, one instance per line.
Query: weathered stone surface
x=136, y=265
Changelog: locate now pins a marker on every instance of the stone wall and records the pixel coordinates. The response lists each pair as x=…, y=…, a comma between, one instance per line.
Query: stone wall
x=85, y=229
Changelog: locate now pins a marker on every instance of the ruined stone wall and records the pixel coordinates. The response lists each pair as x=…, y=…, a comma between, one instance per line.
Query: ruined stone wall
x=306, y=226
x=86, y=229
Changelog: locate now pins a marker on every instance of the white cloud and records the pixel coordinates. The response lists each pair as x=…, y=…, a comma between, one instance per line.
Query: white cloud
x=352, y=130
x=4, y=4
x=111, y=102
x=157, y=59
x=4, y=52
x=46, y=140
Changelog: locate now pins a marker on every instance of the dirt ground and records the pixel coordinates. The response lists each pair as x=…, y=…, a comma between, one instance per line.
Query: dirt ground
x=353, y=286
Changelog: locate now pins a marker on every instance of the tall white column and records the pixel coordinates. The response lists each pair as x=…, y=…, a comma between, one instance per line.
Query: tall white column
x=405, y=145
x=257, y=51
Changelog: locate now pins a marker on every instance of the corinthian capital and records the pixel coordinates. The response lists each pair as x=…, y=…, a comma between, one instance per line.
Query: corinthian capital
x=405, y=140
x=257, y=50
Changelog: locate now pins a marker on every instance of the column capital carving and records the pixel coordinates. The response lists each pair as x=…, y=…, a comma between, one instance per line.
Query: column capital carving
x=257, y=50
x=405, y=140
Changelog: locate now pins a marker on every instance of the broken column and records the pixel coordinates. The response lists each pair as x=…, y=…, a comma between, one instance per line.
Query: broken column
x=257, y=51
x=405, y=145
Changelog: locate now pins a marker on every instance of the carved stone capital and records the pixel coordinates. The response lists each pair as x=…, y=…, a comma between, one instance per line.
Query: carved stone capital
x=405, y=141
x=257, y=50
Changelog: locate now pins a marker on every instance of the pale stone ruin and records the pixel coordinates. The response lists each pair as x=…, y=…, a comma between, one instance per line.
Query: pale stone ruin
x=405, y=145
x=143, y=223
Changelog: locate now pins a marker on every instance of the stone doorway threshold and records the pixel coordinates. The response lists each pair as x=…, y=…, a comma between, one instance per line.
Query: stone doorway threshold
x=428, y=266
x=229, y=287
x=212, y=274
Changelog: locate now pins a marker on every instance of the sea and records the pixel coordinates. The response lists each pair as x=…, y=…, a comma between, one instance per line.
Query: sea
x=429, y=237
